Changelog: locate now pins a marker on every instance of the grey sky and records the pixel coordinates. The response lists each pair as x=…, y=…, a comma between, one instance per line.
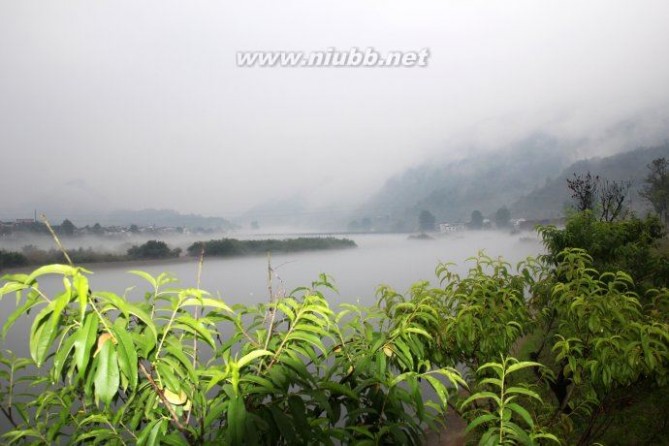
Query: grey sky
x=126, y=104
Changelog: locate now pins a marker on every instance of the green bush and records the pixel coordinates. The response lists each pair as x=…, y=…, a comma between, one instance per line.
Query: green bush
x=182, y=367
x=153, y=249
x=227, y=247
x=626, y=245
x=10, y=259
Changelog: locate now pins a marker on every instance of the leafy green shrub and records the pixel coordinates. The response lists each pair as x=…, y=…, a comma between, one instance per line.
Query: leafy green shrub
x=508, y=422
x=10, y=259
x=625, y=245
x=153, y=249
x=233, y=247
x=181, y=367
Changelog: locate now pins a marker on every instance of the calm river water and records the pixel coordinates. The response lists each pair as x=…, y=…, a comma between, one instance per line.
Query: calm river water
x=379, y=259
x=392, y=260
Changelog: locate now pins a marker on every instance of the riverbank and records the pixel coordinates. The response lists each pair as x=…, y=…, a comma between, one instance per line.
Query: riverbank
x=158, y=253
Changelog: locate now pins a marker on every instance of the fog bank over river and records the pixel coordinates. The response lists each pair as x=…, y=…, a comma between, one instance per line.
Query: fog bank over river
x=390, y=259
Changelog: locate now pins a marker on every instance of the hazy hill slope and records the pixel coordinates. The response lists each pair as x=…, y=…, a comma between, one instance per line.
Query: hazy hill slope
x=550, y=200
x=485, y=182
x=165, y=217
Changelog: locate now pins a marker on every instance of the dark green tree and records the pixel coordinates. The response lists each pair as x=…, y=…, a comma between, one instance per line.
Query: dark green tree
x=502, y=217
x=656, y=190
x=426, y=221
x=153, y=249
x=476, y=220
x=97, y=229
x=624, y=245
x=67, y=227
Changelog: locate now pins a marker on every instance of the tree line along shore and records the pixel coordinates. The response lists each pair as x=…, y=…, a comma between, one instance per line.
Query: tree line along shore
x=159, y=250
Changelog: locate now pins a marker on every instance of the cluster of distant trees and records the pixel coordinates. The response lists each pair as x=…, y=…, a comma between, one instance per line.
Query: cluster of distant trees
x=233, y=247
x=153, y=249
x=156, y=249
x=607, y=197
x=31, y=255
x=601, y=196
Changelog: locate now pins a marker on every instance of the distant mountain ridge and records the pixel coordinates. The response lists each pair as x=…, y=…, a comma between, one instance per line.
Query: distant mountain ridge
x=551, y=199
x=527, y=177
x=165, y=218
x=485, y=182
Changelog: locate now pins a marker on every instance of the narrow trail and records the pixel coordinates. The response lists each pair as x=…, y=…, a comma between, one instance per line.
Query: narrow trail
x=453, y=433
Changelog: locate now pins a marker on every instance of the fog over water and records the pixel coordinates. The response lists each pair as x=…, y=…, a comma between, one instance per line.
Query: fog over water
x=393, y=260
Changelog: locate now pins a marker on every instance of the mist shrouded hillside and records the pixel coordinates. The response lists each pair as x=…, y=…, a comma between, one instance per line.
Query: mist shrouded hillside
x=527, y=177
x=485, y=182
x=550, y=199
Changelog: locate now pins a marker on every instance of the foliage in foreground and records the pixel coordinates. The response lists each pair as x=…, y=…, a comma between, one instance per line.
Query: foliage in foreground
x=182, y=367
x=627, y=245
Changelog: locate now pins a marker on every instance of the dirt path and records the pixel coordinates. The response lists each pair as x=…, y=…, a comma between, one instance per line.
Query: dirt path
x=453, y=433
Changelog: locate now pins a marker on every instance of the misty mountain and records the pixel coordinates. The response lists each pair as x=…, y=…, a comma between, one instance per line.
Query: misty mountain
x=483, y=181
x=165, y=218
x=551, y=199
x=278, y=212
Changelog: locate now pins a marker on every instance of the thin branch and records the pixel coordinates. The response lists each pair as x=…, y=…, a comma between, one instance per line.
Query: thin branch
x=272, y=307
x=9, y=416
x=197, y=310
x=56, y=239
x=161, y=395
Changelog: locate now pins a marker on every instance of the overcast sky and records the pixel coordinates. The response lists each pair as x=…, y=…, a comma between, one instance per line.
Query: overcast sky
x=129, y=104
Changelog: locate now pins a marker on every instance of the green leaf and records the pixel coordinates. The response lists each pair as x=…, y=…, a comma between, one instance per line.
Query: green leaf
x=127, y=355
x=236, y=417
x=169, y=378
x=339, y=389
x=196, y=327
x=20, y=311
x=96, y=436
x=522, y=365
x=247, y=358
x=523, y=391
x=45, y=328
x=85, y=336
x=11, y=287
x=81, y=285
x=482, y=395
x=174, y=439
x=146, y=276
x=524, y=414
x=61, y=357
x=149, y=434
x=438, y=387
x=144, y=317
x=176, y=352
x=518, y=432
x=208, y=302
x=106, y=379
x=112, y=299
x=480, y=420
x=63, y=270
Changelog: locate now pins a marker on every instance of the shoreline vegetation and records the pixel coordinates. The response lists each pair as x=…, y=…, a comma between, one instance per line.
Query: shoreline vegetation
x=155, y=250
